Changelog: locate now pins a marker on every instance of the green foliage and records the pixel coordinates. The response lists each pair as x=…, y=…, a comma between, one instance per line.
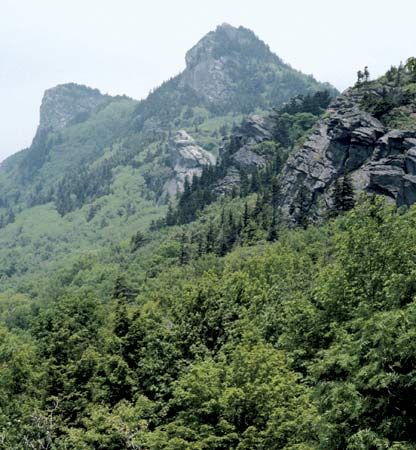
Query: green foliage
x=304, y=343
x=227, y=332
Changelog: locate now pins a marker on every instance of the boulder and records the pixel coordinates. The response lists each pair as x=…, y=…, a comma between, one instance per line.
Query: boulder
x=187, y=159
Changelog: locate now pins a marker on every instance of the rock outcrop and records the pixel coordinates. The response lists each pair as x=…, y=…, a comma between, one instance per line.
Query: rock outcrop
x=351, y=141
x=67, y=104
x=254, y=130
x=187, y=159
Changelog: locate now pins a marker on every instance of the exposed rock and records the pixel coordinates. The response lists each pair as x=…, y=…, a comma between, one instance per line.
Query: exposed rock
x=208, y=65
x=225, y=185
x=67, y=104
x=247, y=159
x=187, y=159
x=349, y=140
x=254, y=130
x=230, y=64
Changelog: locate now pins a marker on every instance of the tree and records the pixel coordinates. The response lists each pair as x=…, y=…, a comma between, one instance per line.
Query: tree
x=137, y=241
x=360, y=77
x=210, y=238
x=184, y=252
x=273, y=232
x=411, y=66
x=170, y=216
x=343, y=195
x=246, y=215
x=366, y=74
x=275, y=192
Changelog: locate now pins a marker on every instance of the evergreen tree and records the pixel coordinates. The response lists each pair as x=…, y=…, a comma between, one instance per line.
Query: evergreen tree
x=183, y=253
x=244, y=184
x=273, y=232
x=342, y=195
x=366, y=74
x=170, y=216
x=246, y=215
x=255, y=184
x=137, y=241
x=232, y=230
x=210, y=238
x=360, y=77
x=275, y=191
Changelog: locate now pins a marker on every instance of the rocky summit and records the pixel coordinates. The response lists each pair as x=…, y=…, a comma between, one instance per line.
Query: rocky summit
x=68, y=104
x=229, y=65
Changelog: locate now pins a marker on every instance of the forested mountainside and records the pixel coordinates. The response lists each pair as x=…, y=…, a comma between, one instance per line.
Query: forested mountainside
x=257, y=293
x=99, y=165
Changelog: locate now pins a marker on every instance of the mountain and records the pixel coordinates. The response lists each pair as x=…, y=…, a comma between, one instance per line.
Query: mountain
x=233, y=70
x=99, y=165
x=269, y=305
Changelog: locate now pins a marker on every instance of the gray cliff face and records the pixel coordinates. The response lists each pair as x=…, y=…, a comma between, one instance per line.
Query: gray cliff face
x=68, y=104
x=187, y=159
x=254, y=130
x=349, y=141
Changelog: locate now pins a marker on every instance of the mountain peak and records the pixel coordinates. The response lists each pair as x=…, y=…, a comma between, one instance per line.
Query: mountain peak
x=68, y=103
x=226, y=40
x=230, y=67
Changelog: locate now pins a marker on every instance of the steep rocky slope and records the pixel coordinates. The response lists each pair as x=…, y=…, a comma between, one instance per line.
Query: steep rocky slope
x=360, y=136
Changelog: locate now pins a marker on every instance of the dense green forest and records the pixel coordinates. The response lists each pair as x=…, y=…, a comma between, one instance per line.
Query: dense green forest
x=303, y=343
x=209, y=321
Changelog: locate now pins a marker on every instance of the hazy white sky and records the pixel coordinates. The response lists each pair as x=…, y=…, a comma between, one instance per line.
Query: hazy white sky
x=130, y=46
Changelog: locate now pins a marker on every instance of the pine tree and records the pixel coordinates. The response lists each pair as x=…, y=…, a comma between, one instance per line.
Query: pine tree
x=183, y=253
x=273, y=233
x=337, y=197
x=121, y=293
x=248, y=233
x=210, y=238
x=170, y=216
x=301, y=218
x=137, y=241
x=343, y=195
x=200, y=242
x=232, y=230
x=244, y=185
x=275, y=192
x=366, y=74
x=246, y=215
x=255, y=184
x=258, y=208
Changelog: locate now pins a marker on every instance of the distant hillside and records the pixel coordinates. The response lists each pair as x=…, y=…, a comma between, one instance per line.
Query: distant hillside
x=99, y=165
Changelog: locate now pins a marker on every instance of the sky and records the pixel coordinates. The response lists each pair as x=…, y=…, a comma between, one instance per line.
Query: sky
x=131, y=46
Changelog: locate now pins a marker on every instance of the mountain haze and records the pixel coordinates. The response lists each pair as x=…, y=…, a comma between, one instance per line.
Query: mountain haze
x=98, y=160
